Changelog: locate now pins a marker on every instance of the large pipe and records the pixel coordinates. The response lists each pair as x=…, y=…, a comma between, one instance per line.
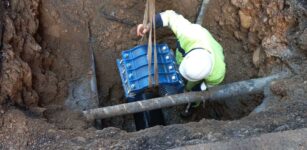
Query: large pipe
x=202, y=12
x=253, y=86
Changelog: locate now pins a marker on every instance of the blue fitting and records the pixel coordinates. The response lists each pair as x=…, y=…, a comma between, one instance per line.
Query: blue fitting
x=133, y=68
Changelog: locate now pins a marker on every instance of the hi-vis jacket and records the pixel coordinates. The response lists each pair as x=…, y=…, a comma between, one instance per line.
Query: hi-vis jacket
x=191, y=36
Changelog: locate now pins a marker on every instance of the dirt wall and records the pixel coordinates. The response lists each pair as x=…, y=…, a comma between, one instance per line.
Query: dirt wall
x=265, y=29
x=22, y=57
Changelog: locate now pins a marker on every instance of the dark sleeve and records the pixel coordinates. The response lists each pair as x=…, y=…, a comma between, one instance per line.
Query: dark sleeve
x=159, y=22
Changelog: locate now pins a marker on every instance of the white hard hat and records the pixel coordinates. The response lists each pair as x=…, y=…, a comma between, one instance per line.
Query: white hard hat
x=196, y=65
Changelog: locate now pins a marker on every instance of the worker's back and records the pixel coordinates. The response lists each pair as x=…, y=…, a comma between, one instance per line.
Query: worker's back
x=199, y=37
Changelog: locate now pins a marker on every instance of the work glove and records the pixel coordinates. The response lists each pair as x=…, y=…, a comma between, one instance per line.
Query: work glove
x=196, y=86
x=203, y=86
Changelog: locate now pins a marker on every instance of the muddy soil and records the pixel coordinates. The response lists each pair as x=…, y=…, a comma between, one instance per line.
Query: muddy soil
x=45, y=49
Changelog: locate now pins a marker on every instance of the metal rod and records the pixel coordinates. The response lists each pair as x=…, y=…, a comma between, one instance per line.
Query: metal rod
x=253, y=86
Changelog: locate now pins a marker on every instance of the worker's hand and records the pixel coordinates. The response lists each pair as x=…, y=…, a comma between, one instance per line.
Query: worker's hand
x=142, y=30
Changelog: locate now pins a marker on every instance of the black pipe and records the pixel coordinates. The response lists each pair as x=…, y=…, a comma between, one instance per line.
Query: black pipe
x=148, y=119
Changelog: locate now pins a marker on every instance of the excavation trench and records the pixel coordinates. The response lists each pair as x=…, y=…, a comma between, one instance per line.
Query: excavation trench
x=62, y=34
x=45, y=51
x=229, y=108
x=46, y=62
x=67, y=27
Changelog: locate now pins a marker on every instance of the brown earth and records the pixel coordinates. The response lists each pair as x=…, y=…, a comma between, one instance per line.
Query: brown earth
x=45, y=48
x=21, y=130
x=294, y=140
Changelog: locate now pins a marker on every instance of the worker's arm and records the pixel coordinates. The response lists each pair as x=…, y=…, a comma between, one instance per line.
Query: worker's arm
x=177, y=23
x=189, y=35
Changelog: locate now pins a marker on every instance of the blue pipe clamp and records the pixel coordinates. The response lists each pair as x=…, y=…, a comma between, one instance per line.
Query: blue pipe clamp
x=133, y=68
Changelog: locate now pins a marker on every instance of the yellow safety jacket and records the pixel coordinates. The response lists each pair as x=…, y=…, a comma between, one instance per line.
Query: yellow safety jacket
x=191, y=36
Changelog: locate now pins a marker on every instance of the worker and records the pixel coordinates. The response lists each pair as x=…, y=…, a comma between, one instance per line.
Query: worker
x=199, y=56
